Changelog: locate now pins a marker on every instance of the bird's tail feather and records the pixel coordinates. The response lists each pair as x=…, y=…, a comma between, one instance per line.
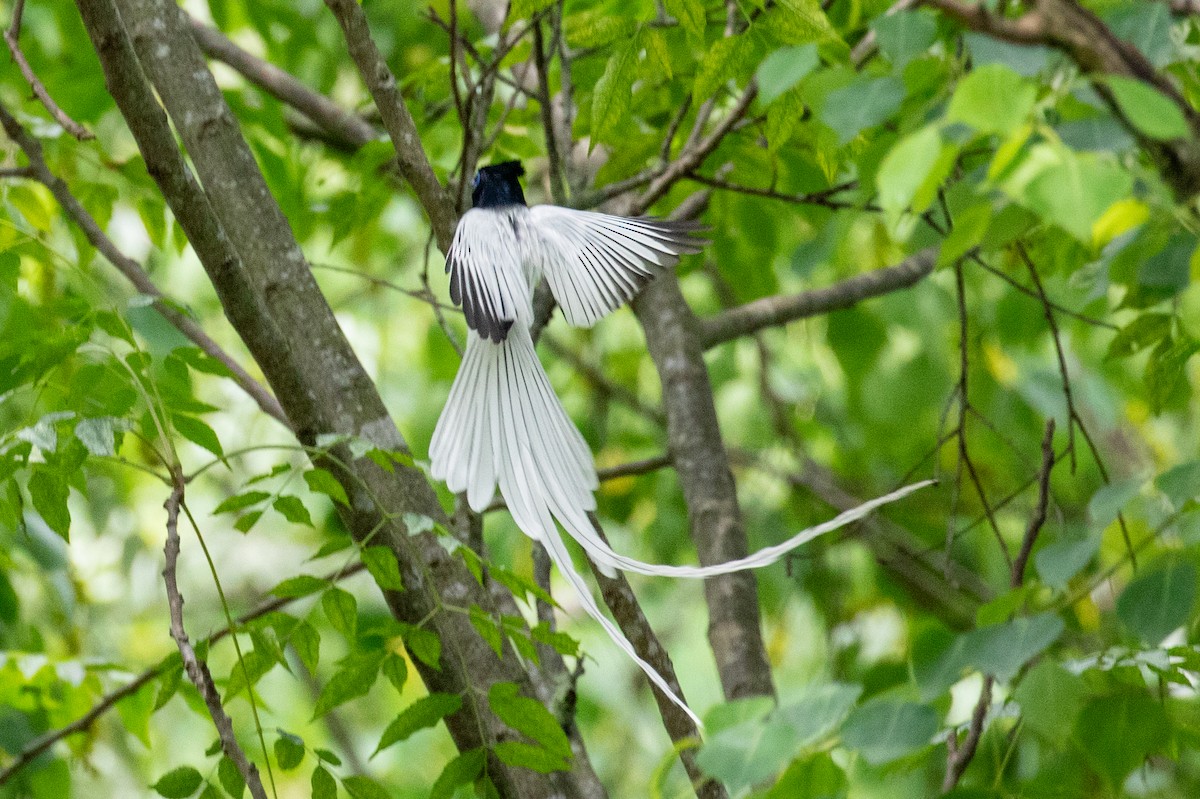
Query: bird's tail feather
x=601, y=552
x=504, y=426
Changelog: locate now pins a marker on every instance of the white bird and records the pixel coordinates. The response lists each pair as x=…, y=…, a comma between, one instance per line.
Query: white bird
x=502, y=424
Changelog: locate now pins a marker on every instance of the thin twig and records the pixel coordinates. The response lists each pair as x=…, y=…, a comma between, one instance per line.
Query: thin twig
x=964, y=454
x=821, y=198
x=958, y=757
x=195, y=668
x=1048, y=312
x=1039, y=514
x=1091, y=320
x=12, y=37
x=558, y=180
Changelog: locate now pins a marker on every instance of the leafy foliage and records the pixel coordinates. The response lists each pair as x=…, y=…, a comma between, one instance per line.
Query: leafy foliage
x=1062, y=290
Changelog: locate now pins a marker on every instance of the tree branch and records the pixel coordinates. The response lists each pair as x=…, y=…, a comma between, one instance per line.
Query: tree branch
x=381, y=83
x=195, y=668
x=782, y=309
x=349, y=129
x=12, y=37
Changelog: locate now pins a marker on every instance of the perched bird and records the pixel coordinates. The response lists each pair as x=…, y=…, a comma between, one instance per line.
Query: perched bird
x=502, y=424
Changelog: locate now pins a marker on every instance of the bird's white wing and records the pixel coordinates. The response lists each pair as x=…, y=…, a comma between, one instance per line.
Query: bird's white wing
x=486, y=275
x=595, y=263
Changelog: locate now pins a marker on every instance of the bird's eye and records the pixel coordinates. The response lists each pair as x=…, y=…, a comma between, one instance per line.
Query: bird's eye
x=475, y=181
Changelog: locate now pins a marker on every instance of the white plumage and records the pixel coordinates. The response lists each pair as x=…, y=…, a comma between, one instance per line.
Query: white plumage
x=503, y=425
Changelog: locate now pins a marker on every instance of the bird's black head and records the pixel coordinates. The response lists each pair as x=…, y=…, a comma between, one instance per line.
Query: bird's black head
x=497, y=185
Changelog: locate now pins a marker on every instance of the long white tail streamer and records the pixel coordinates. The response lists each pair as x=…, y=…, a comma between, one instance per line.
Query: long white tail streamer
x=504, y=426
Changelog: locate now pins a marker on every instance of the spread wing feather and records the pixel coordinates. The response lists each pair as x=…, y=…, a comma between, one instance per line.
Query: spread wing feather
x=595, y=263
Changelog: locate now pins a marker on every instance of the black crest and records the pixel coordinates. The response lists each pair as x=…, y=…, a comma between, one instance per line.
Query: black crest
x=498, y=185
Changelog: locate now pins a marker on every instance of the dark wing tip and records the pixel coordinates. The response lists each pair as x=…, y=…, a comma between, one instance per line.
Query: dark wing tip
x=679, y=233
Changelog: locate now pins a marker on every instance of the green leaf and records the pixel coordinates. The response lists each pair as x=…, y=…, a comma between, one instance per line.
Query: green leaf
x=341, y=608
x=178, y=783
x=487, y=628
x=783, y=69
x=292, y=509
x=1149, y=110
x=614, y=90
x=529, y=717
x=323, y=482
x=364, y=788
x=1158, y=601
x=353, y=680
x=1165, y=369
x=534, y=758
x=996, y=649
x=1111, y=499
x=904, y=170
x=992, y=99
x=425, y=646
x=724, y=59
x=1076, y=191
x=1002, y=649
x=1050, y=698
x=862, y=104
x=800, y=21
x=135, y=711
x=783, y=116
x=1148, y=329
x=241, y=501
x=658, y=57
x=597, y=28
x=425, y=712
x=459, y=771
x=248, y=520
x=96, y=434
x=690, y=14
x=818, y=712
x=1059, y=561
x=298, y=586
x=382, y=564
x=395, y=668
x=197, y=432
x=562, y=643
x=886, y=730
x=323, y=784
x=903, y=36
x=524, y=9
x=1181, y=484
x=307, y=643
x=10, y=605
x=49, y=493
x=1117, y=732
x=231, y=779
x=248, y=671
x=289, y=751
